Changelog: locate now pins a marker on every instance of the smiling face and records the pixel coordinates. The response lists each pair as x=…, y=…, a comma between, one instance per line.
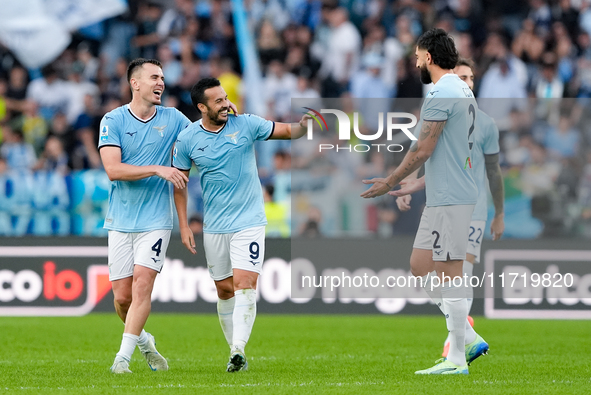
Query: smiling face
x=217, y=105
x=465, y=73
x=148, y=82
x=423, y=59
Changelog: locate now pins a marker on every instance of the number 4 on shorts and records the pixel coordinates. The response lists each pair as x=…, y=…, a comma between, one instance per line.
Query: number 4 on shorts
x=157, y=247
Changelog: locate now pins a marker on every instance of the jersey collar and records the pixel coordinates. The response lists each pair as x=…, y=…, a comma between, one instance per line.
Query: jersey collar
x=211, y=131
x=138, y=118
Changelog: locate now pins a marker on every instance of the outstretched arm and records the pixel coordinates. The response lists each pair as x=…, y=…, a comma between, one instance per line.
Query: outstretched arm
x=180, y=201
x=495, y=182
x=287, y=131
x=414, y=159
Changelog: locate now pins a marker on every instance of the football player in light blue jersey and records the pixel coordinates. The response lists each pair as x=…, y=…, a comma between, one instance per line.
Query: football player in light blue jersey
x=135, y=145
x=485, y=164
x=447, y=124
x=222, y=148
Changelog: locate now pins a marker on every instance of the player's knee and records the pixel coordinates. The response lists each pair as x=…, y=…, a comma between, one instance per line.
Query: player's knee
x=225, y=293
x=123, y=301
x=245, y=283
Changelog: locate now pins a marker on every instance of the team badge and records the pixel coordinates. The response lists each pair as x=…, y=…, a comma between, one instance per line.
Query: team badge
x=232, y=137
x=160, y=130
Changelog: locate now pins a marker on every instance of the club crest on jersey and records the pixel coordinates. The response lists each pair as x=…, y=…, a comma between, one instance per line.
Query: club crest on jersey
x=232, y=137
x=160, y=130
x=105, y=133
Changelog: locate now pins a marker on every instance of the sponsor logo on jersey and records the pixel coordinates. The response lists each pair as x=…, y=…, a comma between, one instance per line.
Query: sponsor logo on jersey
x=468, y=163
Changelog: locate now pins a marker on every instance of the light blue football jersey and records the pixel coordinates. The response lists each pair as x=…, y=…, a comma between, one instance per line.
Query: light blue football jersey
x=448, y=172
x=486, y=142
x=232, y=192
x=142, y=205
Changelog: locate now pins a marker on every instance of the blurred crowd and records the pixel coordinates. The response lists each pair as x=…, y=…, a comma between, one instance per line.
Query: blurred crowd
x=536, y=49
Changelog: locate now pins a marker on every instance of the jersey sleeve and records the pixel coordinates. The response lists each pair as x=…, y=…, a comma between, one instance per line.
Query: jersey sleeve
x=491, y=144
x=436, y=109
x=181, y=158
x=261, y=128
x=110, y=132
x=182, y=121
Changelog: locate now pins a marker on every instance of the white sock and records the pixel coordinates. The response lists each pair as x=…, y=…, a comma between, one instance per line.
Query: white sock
x=468, y=269
x=435, y=295
x=454, y=303
x=128, y=344
x=245, y=311
x=225, y=314
x=142, y=341
x=435, y=292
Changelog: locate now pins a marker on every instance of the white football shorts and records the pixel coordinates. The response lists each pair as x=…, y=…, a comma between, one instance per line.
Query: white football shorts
x=243, y=250
x=128, y=249
x=444, y=230
x=475, y=237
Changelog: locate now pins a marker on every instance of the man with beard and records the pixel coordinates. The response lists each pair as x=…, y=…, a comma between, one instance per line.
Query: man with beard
x=222, y=147
x=444, y=145
x=135, y=144
x=485, y=164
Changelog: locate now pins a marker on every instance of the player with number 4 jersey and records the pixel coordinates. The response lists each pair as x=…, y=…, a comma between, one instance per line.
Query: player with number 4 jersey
x=135, y=144
x=221, y=146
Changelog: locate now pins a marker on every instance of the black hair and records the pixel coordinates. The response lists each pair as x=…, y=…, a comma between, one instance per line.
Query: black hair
x=198, y=90
x=48, y=70
x=441, y=46
x=139, y=62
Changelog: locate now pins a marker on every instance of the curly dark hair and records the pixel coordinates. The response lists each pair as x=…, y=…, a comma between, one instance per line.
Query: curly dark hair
x=441, y=46
x=137, y=63
x=198, y=90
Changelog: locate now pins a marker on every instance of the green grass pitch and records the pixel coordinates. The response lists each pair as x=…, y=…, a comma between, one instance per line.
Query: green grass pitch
x=292, y=354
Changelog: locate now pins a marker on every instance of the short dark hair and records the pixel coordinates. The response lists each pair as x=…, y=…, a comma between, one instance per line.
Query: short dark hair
x=139, y=62
x=198, y=90
x=466, y=62
x=441, y=46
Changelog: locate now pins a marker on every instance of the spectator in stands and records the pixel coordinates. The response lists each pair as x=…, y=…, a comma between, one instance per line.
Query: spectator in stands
x=269, y=44
x=548, y=84
x=368, y=82
x=391, y=51
x=280, y=87
x=3, y=106
x=50, y=92
x=33, y=126
x=311, y=227
x=79, y=88
x=539, y=175
x=174, y=20
x=563, y=141
x=18, y=154
x=342, y=57
x=171, y=67
x=277, y=214
x=87, y=62
x=147, y=38
x=223, y=70
x=17, y=90
x=54, y=158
